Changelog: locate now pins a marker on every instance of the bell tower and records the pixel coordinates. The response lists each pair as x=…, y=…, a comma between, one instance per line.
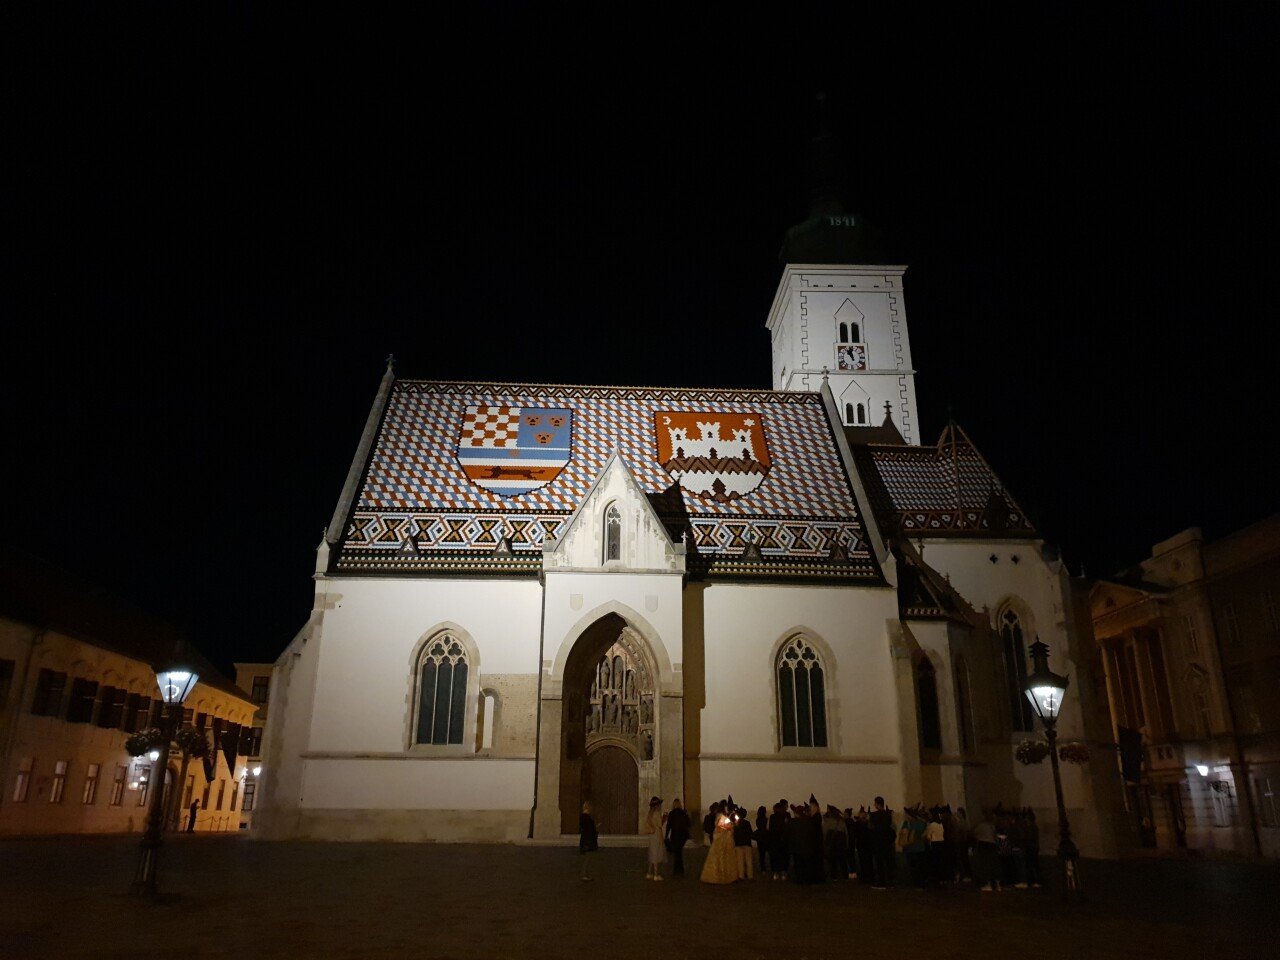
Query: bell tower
x=839, y=310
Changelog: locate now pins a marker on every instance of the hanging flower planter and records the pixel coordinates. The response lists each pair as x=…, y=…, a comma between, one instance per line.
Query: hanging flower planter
x=144, y=741
x=1031, y=751
x=1074, y=752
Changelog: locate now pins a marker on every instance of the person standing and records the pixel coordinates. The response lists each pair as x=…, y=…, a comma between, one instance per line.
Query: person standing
x=985, y=854
x=742, y=845
x=862, y=846
x=709, y=824
x=778, y=852
x=1031, y=847
x=935, y=834
x=677, y=832
x=588, y=837
x=880, y=826
x=761, y=837
x=654, y=823
x=960, y=841
x=721, y=865
x=191, y=816
x=911, y=839
x=835, y=841
x=808, y=850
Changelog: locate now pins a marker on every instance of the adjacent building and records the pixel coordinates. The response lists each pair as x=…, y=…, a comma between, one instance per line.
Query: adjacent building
x=77, y=677
x=255, y=680
x=1187, y=646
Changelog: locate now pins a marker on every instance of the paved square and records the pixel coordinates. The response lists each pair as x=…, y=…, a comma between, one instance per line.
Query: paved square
x=229, y=896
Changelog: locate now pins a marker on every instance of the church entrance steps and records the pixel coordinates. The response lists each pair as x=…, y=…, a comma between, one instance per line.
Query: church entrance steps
x=571, y=840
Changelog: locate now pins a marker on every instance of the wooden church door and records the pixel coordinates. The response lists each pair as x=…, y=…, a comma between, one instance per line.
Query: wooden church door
x=611, y=780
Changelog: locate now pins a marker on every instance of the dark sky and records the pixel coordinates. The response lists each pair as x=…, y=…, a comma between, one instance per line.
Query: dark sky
x=216, y=228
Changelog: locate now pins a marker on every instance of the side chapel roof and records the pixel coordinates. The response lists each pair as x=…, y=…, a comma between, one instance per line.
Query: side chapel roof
x=754, y=481
x=944, y=490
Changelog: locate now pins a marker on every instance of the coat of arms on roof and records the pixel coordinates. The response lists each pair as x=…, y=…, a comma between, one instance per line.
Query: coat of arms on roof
x=715, y=456
x=512, y=450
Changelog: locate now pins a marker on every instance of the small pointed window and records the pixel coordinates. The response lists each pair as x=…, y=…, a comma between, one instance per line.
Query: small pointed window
x=848, y=413
x=862, y=414
x=853, y=331
x=612, y=533
x=844, y=333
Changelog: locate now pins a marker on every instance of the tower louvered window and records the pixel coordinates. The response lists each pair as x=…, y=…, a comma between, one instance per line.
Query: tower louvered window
x=802, y=704
x=442, y=691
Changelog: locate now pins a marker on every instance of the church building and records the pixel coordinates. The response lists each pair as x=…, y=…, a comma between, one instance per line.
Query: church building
x=532, y=594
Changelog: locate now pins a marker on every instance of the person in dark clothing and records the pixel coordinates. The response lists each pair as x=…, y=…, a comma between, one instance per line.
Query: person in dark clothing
x=742, y=834
x=835, y=841
x=880, y=825
x=709, y=824
x=810, y=862
x=678, y=827
x=1029, y=840
x=778, y=854
x=191, y=816
x=588, y=838
x=761, y=837
x=862, y=847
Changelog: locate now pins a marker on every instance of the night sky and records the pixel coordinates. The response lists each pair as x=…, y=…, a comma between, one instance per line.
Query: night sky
x=217, y=229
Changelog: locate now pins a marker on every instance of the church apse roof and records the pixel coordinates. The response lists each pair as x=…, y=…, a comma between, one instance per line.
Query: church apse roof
x=946, y=490
x=475, y=478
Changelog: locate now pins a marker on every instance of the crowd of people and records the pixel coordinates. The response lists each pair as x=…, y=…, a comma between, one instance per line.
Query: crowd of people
x=807, y=844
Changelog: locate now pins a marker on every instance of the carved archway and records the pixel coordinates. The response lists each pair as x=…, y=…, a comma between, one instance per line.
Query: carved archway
x=608, y=702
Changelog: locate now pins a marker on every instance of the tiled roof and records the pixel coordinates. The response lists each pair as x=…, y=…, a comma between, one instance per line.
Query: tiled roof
x=458, y=466
x=947, y=490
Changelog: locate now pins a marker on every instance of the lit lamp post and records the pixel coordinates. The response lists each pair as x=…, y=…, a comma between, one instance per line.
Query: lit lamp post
x=1045, y=689
x=175, y=683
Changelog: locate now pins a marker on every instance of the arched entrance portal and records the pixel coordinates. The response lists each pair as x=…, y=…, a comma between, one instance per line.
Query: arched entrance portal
x=609, y=727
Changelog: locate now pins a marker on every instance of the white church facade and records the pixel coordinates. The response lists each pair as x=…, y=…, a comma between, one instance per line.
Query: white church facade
x=531, y=595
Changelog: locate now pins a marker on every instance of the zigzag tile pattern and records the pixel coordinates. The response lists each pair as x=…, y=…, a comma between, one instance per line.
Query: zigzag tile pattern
x=414, y=488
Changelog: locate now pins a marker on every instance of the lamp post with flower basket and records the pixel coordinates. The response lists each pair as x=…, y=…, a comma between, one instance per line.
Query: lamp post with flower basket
x=1045, y=689
x=176, y=681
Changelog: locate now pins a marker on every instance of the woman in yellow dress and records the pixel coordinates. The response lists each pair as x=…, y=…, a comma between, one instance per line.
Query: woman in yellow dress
x=722, y=864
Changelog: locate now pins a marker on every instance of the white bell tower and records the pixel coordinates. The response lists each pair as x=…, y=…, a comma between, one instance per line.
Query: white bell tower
x=849, y=323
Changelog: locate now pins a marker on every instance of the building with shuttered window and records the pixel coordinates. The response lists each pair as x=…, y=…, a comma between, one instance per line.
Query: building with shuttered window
x=77, y=677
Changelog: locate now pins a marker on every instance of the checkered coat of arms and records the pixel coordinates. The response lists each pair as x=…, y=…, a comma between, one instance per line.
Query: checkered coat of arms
x=511, y=450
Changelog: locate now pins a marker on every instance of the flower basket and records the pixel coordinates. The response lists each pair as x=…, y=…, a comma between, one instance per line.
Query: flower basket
x=144, y=741
x=1031, y=751
x=1074, y=752
x=191, y=742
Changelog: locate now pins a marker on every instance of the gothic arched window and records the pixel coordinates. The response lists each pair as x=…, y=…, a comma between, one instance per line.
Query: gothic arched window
x=1015, y=670
x=848, y=413
x=927, y=706
x=802, y=696
x=612, y=533
x=442, y=691
x=862, y=414
x=853, y=333
x=844, y=333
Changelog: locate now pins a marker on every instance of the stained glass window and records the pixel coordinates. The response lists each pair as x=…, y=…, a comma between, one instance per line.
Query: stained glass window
x=442, y=691
x=802, y=705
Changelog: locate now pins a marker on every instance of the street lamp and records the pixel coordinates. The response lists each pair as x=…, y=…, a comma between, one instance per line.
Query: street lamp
x=175, y=683
x=1045, y=689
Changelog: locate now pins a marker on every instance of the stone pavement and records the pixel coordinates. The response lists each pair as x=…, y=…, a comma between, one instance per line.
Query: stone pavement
x=228, y=896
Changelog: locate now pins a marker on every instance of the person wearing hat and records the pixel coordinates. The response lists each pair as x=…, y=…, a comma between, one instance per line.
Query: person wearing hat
x=653, y=825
